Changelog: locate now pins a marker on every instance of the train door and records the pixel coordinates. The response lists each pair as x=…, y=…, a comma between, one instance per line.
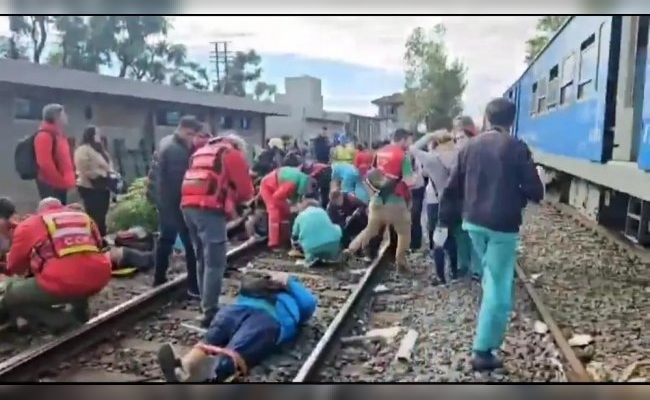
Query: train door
x=641, y=122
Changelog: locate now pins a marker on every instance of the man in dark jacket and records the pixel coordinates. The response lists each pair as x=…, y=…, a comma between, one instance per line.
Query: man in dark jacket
x=173, y=159
x=493, y=179
x=322, y=147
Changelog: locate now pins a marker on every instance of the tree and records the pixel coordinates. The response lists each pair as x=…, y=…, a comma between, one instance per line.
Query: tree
x=262, y=89
x=434, y=84
x=131, y=34
x=31, y=28
x=243, y=69
x=546, y=28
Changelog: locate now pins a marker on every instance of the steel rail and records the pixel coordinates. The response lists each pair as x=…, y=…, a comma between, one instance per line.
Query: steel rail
x=330, y=340
x=26, y=365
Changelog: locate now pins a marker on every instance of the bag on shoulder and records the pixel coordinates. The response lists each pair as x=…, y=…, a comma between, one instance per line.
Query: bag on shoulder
x=25, y=156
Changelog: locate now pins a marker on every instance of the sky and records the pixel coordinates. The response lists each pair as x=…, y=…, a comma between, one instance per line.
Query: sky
x=361, y=58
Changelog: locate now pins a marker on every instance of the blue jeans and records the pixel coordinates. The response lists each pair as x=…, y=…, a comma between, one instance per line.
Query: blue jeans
x=210, y=238
x=250, y=332
x=438, y=253
x=169, y=232
x=497, y=253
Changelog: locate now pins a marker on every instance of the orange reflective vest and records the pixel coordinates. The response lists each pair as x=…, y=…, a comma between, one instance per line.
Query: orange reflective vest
x=70, y=232
x=204, y=184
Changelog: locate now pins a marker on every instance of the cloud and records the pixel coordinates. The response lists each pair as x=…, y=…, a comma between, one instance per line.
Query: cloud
x=492, y=47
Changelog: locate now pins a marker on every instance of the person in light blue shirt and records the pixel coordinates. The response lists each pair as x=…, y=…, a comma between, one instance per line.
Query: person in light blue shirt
x=267, y=313
x=347, y=178
x=316, y=234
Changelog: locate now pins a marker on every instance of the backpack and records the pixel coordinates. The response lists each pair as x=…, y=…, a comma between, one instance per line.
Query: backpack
x=25, y=156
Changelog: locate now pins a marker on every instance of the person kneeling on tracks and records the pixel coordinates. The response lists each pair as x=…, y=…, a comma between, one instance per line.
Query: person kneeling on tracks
x=279, y=190
x=318, y=237
x=322, y=175
x=348, y=212
x=216, y=185
x=268, y=313
x=61, y=248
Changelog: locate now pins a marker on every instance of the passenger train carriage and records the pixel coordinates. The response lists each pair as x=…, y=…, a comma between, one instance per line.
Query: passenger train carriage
x=583, y=107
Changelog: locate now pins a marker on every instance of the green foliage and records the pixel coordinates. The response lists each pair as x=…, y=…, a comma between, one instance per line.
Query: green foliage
x=434, y=83
x=133, y=209
x=546, y=28
x=137, y=44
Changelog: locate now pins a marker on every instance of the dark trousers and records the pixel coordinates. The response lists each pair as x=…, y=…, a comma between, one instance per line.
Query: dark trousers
x=416, y=218
x=250, y=332
x=168, y=232
x=45, y=190
x=96, y=203
x=432, y=220
x=438, y=253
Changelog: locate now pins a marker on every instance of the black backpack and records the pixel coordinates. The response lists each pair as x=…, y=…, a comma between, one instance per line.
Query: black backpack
x=25, y=156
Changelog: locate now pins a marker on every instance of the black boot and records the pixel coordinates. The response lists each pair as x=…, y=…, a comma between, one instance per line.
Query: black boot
x=485, y=361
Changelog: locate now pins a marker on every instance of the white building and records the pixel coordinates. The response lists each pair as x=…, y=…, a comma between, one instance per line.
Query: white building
x=303, y=96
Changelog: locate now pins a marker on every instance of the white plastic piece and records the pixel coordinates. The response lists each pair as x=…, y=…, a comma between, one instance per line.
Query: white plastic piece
x=580, y=340
x=388, y=334
x=440, y=236
x=540, y=327
x=380, y=289
x=194, y=328
x=405, y=350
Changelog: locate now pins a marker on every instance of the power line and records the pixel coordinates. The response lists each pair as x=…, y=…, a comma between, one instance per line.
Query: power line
x=221, y=58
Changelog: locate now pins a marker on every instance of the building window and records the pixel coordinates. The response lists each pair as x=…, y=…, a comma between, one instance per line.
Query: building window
x=88, y=113
x=225, y=122
x=168, y=117
x=30, y=109
x=245, y=123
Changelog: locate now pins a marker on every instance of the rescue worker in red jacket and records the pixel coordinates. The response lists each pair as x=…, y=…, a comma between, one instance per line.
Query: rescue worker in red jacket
x=55, y=258
x=216, y=184
x=389, y=181
x=279, y=190
x=363, y=159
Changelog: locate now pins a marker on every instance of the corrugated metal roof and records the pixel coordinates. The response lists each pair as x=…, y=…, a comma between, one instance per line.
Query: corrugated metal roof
x=27, y=73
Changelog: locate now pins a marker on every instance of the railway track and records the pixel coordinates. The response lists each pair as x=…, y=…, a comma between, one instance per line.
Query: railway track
x=592, y=287
x=119, y=345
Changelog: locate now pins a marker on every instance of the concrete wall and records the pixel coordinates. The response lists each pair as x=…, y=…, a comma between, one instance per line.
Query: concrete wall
x=130, y=126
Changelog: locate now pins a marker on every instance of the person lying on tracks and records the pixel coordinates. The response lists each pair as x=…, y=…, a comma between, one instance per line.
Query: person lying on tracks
x=281, y=189
x=315, y=234
x=61, y=247
x=215, y=187
x=491, y=211
x=267, y=313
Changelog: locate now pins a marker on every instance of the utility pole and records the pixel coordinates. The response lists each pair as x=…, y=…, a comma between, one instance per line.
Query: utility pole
x=221, y=59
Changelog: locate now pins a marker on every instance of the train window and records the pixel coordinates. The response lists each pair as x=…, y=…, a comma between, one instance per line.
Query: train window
x=553, y=87
x=533, y=101
x=588, y=65
x=542, y=91
x=568, y=72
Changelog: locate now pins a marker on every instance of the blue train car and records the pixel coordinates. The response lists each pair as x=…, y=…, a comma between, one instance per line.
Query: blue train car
x=583, y=106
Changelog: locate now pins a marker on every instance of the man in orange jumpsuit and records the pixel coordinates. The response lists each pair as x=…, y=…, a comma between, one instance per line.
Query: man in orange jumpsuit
x=55, y=259
x=280, y=189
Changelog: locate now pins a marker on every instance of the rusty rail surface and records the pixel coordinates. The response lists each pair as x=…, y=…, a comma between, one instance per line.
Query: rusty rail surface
x=330, y=341
x=26, y=365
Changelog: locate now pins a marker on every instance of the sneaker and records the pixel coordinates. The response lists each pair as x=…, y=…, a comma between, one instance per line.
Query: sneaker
x=485, y=362
x=205, y=319
x=170, y=364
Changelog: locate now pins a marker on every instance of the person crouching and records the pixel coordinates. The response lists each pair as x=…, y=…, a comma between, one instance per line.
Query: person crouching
x=318, y=237
x=61, y=248
x=349, y=212
x=267, y=313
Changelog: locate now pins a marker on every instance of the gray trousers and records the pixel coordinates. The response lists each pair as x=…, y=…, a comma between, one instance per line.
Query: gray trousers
x=210, y=240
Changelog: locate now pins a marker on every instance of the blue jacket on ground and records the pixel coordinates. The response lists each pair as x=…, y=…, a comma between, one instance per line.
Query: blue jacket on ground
x=491, y=182
x=292, y=308
x=351, y=181
x=313, y=228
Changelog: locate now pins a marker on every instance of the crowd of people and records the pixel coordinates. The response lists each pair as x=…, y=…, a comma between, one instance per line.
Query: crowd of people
x=325, y=204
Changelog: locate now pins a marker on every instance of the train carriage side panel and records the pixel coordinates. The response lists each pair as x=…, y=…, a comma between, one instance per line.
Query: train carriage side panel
x=562, y=95
x=639, y=97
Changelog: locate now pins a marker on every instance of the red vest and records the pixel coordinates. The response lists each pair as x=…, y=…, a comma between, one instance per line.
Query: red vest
x=204, y=184
x=70, y=233
x=389, y=160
